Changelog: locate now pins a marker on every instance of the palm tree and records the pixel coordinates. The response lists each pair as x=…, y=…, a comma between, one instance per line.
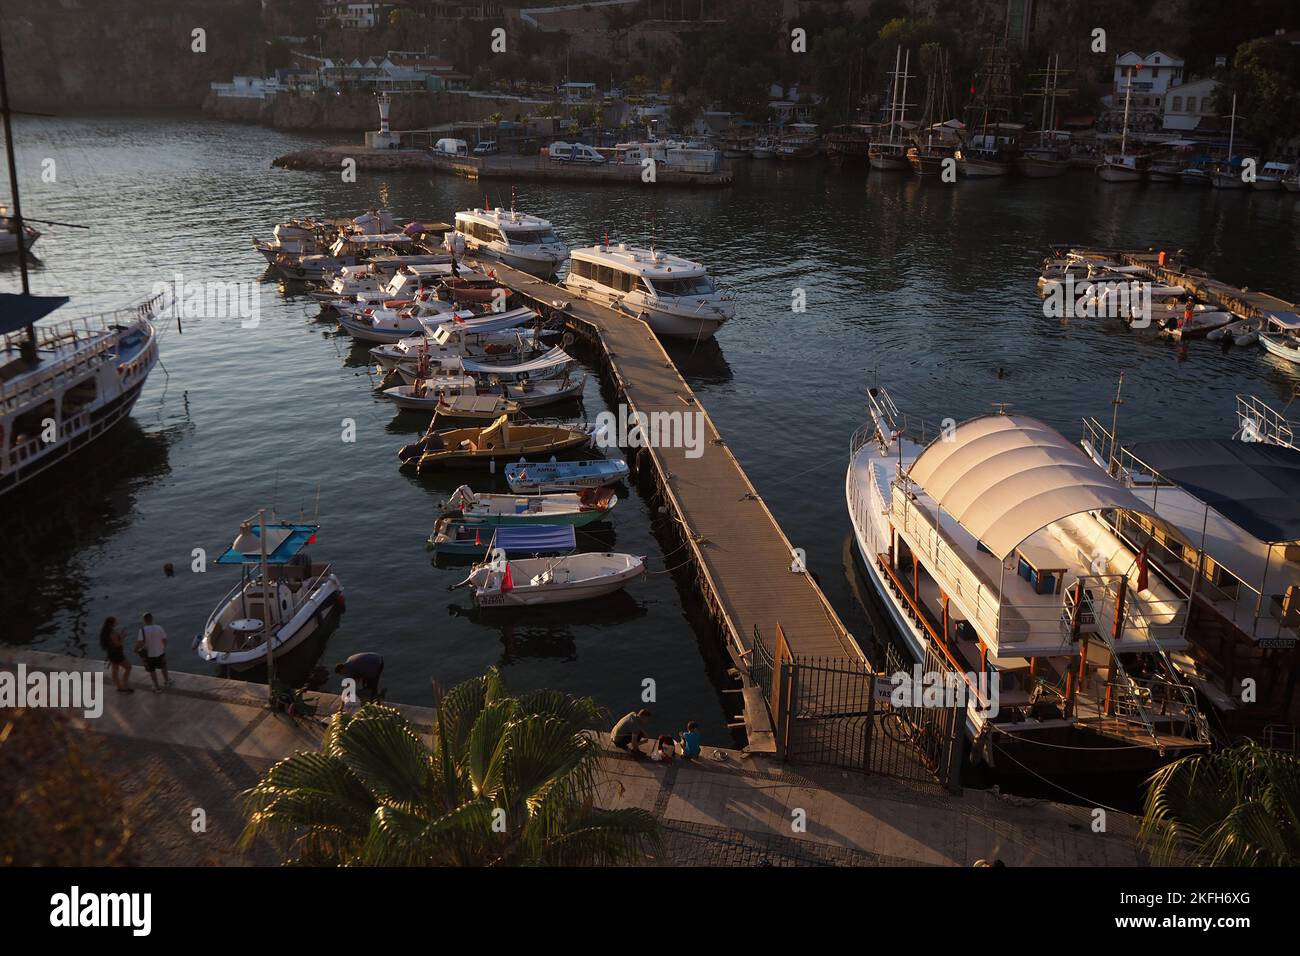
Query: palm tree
x=505, y=781
x=1237, y=807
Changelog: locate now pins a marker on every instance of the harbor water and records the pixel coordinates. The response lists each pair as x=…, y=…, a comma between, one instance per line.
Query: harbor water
x=843, y=277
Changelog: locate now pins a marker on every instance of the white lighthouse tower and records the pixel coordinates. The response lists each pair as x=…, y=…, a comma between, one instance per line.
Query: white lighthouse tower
x=385, y=138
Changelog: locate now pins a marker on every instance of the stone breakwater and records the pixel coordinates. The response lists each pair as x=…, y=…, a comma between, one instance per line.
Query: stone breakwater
x=332, y=157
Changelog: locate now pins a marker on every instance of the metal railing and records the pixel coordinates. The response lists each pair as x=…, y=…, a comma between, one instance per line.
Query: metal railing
x=1259, y=421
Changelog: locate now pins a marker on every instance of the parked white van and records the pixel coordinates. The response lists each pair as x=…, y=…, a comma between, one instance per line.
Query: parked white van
x=451, y=147
x=575, y=153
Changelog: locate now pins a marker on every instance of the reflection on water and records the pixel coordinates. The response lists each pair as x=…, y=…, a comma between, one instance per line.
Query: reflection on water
x=928, y=286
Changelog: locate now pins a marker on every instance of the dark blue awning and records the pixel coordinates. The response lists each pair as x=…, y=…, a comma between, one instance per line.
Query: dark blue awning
x=18, y=311
x=1254, y=485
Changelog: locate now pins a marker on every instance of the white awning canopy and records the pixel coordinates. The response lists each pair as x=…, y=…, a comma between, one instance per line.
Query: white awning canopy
x=1004, y=477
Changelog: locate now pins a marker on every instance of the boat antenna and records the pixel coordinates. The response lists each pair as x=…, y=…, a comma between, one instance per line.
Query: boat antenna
x=1116, y=402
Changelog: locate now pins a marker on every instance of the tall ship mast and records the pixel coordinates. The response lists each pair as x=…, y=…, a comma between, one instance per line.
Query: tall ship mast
x=992, y=139
x=62, y=384
x=1050, y=155
x=935, y=140
x=891, y=152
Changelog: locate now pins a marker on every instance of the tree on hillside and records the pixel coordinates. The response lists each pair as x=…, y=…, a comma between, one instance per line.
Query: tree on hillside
x=1265, y=75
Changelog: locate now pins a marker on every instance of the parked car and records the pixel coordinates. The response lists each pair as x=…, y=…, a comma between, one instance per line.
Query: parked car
x=486, y=148
x=451, y=147
x=575, y=153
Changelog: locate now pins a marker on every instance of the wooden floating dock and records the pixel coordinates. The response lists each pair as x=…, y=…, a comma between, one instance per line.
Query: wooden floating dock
x=541, y=169
x=1244, y=303
x=741, y=556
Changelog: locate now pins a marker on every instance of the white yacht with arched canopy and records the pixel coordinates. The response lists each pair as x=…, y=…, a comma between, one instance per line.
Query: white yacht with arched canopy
x=988, y=546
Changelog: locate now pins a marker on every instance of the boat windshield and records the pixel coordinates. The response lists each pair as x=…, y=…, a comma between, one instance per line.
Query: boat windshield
x=694, y=285
x=530, y=237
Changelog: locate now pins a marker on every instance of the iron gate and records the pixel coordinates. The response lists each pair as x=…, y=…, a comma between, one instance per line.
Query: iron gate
x=837, y=712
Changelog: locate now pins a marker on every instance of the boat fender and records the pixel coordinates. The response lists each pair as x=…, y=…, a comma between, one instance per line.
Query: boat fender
x=340, y=602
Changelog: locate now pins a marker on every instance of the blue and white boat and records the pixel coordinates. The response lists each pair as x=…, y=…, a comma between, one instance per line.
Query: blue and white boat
x=282, y=597
x=454, y=536
x=538, y=477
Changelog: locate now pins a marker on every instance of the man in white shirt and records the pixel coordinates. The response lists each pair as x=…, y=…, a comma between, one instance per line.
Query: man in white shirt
x=152, y=646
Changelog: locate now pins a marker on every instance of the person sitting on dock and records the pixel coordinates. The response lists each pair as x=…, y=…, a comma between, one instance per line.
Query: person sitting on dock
x=690, y=739
x=631, y=730
x=365, y=669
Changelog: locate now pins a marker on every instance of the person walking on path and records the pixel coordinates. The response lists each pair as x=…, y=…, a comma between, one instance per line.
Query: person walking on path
x=631, y=730
x=152, y=646
x=111, y=639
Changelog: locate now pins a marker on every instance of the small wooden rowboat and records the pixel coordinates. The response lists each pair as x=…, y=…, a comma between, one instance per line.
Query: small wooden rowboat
x=461, y=447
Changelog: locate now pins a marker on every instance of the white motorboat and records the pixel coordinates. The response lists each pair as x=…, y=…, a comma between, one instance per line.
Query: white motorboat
x=282, y=597
x=526, y=582
x=763, y=148
x=450, y=342
x=1242, y=332
x=578, y=509
x=526, y=243
x=380, y=324
x=672, y=295
x=1280, y=335
x=9, y=233
x=1200, y=326
x=537, y=477
x=347, y=250
x=427, y=393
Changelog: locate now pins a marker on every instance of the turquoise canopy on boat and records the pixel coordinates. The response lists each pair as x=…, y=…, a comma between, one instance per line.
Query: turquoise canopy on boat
x=283, y=543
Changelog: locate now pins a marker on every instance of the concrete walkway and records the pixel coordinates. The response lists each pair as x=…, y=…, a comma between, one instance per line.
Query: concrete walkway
x=203, y=740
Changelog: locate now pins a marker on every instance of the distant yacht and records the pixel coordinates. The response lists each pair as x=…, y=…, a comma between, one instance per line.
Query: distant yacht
x=523, y=242
x=9, y=233
x=674, y=296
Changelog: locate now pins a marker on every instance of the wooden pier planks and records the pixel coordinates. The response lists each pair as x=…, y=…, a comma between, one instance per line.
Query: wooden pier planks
x=744, y=555
x=1241, y=302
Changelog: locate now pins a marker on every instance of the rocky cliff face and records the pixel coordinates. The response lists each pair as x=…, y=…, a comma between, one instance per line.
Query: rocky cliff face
x=66, y=55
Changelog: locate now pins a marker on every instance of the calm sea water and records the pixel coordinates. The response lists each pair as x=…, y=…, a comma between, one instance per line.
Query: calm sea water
x=926, y=287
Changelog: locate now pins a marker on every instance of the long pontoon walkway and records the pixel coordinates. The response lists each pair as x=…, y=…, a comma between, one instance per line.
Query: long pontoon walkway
x=744, y=555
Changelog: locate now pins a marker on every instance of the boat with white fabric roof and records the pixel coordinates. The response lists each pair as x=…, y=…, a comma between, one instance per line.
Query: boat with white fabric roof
x=987, y=546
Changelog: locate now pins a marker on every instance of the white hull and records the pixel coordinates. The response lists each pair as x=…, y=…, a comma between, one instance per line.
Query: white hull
x=1113, y=173
x=116, y=363
x=1277, y=345
x=366, y=332
x=527, y=593
x=306, y=621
